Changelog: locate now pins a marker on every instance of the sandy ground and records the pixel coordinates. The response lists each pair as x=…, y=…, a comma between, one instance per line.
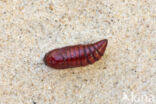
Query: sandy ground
x=126, y=74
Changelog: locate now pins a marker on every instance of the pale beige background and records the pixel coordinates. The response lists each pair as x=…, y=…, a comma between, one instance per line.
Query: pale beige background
x=30, y=28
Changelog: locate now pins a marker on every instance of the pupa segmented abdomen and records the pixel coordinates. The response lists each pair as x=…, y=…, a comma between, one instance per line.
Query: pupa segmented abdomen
x=75, y=56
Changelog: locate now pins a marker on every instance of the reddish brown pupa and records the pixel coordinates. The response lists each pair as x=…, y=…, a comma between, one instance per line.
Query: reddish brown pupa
x=75, y=56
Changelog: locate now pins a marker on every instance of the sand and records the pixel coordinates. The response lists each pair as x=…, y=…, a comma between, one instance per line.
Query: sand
x=126, y=74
